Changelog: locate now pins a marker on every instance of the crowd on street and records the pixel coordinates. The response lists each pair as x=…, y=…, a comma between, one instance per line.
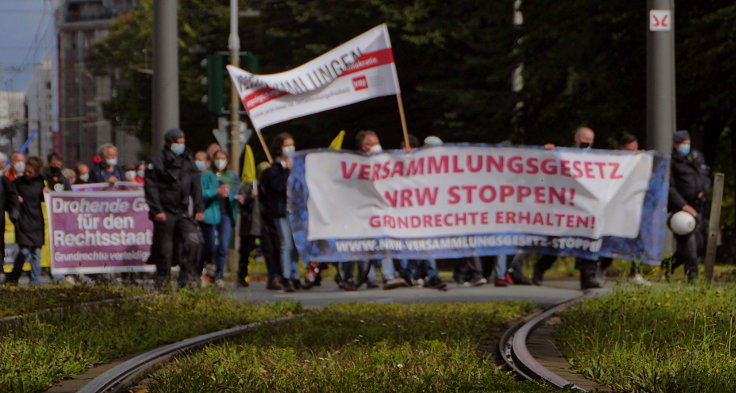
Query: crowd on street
x=196, y=201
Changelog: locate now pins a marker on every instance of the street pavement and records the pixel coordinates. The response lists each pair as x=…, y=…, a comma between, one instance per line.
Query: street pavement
x=552, y=292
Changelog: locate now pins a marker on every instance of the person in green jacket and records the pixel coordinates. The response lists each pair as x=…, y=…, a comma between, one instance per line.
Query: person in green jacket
x=220, y=187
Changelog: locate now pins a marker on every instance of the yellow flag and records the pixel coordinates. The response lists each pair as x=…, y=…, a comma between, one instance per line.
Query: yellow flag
x=337, y=142
x=249, y=166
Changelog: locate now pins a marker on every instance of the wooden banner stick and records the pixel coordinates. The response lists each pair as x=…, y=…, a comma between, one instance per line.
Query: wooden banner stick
x=265, y=147
x=407, y=146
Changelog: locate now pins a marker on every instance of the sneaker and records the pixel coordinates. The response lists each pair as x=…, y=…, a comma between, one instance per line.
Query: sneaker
x=500, y=283
x=538, y=276
x=219, y=283
x=69, y=279
x=288, y=287
x=516, y=278
x=349, y=286
x=274, y=285
x=296, y=283
x=479, y=282
x=639, y=280
x=371, y=285
x=419, y=282
x=394, y=283
x=435, y=283
x=467, y=284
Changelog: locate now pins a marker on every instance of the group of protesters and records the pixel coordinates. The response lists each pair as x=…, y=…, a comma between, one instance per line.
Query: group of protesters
x=195, y=202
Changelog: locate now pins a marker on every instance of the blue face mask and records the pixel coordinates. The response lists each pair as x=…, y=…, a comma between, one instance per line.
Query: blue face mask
x=683, y=149
x=177, y=148
x=200, y=165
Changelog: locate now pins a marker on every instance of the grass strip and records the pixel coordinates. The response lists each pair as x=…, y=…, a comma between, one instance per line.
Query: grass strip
x=38, y=352
x=22, y=300
x=666, y=338
x=358, y=348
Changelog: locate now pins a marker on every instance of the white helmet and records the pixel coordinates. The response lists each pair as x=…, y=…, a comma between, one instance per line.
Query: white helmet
x=682, y=223
x=433, y=141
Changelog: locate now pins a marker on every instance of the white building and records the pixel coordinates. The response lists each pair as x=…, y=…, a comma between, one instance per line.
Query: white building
x=41, y=110
x=13, y=130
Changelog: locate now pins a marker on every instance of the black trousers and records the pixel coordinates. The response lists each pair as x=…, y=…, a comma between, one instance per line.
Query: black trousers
x=686, y=254
x=176, y=241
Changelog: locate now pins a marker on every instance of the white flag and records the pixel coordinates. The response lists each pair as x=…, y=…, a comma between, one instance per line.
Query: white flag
x=358, y=70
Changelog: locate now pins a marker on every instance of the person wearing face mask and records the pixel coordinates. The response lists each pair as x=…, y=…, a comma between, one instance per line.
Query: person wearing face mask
x=129, y=173
x=171, y=182
x=29, y=225
x=83, y=174
x=8, y=204
x=17, y=166
x=55, y=180
x=140, y=173
x=592, y=272
x=689, y=184
x=107, y=170
x=219, y=190
x=273, y=185
x=367, y=142
x=202, y=161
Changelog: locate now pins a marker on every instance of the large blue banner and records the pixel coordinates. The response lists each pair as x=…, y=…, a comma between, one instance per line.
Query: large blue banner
x=463, y=200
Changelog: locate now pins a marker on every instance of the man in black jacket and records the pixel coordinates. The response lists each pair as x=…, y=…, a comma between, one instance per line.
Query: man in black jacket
x=689, y=183
x=9, y=204
x=171, y=181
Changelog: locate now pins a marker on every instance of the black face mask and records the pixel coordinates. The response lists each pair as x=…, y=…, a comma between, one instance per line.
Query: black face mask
x=584, y=145
x=55, y=171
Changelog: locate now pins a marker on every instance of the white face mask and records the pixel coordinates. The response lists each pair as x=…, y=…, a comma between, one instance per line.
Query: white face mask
x=130, y=175
x=286, y=150
x=19, y=166
x=220, y=164
x=84, y=177
x=376, y=149
x=112, y=161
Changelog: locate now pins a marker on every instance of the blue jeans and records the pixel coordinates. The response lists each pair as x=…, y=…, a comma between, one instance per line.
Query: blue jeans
x=500, y=266
x=35, y=254
x=217, y=241
x=411, y=267
x=289, y=256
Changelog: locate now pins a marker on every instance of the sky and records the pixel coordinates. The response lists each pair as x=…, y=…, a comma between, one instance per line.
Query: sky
x=26, y=35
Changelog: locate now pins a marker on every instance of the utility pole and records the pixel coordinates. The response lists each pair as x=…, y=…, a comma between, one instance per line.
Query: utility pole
x=234, y=47
x=661, y=121
x=165, y=71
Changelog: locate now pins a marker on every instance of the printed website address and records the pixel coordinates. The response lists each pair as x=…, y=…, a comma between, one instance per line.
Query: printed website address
x=467, y=242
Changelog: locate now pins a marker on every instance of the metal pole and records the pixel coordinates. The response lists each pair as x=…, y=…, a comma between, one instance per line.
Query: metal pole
x=234, y=46
x=661, y=123
x=713, y=225
x=165, y=71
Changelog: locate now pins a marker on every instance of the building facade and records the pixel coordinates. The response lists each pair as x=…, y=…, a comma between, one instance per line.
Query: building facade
x=82, y=126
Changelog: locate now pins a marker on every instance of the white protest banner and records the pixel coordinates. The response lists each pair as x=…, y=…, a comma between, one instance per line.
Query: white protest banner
x=566, y=202
x=358, y=70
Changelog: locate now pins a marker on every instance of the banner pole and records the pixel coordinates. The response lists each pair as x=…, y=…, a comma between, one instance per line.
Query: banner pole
x=264, y=146
x=407, y=146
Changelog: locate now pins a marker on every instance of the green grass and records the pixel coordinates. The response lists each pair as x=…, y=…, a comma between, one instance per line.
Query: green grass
x=21, y=300
x=667, y=338
x=36, y=352
x=358, y=348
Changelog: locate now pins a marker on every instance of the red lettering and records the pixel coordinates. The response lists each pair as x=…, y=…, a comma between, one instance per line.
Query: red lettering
x=532, y=167
x=391, y=197
x=376, y=172
x=365, y=172
x=491, y=161
x=456, y=168
x=437, y=164
x=588, y=169
x=398, y=169
x=548, y=167
x=427, y=195
x=476, y=168
x=499, y=218
x=406, y=198
x=416, y=167
x=600, y=166
x=374, y=221
x=511, y=217
x=469, y=192
x=558, y=194
x=484, y=218
x=539, y=195
x=578, y=171
x=523, y=192
x=515, y=165
x=506, y=191
x=454, y=197
x=347, y=173
x=490, y=190
x=565, y=168
x=614, y=172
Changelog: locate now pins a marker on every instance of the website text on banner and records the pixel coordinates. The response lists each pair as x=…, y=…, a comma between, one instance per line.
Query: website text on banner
x=358, y=70
x=458, y=201
x=99, y=232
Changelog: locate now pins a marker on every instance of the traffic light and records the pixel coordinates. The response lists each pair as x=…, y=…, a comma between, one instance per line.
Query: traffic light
x=217, y=79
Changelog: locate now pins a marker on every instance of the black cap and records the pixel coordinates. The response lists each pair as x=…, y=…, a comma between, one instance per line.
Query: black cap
x=680, y=136
x=172, y=135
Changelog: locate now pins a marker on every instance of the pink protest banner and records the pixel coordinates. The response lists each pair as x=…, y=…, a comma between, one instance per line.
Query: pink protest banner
x=99, y=232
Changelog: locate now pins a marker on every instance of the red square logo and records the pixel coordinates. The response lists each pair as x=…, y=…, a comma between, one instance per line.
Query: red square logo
x=360, y=83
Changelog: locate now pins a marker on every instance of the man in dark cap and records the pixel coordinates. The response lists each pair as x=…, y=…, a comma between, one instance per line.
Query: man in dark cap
x=689, y=184
x=173, y=192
